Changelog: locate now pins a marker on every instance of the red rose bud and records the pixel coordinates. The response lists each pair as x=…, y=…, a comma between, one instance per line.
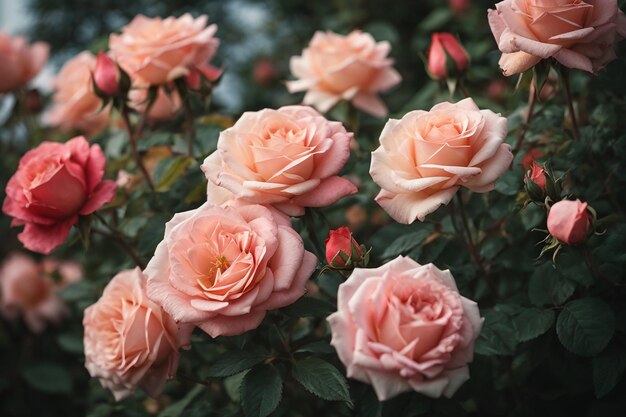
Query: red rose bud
x=106, y=75
x=459, y=6
x=446, y=57
x=537, y=175
x=569, y=221
x=341, y=247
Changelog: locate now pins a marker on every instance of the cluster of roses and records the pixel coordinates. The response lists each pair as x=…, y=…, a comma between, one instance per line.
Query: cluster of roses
x=221, y=267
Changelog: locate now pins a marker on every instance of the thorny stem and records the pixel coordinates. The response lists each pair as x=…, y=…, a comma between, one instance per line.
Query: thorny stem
x=133, y=136
x=570, y=104
x=121, y=240
x=529, y=116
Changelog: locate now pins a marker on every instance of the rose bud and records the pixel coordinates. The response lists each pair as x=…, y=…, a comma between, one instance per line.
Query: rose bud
x=204, y=71
x=342, y=250
x=569, y=221
x=446, y=57
x=459, y=6
x=264, y=72
x=535, y=182
x=106, y=76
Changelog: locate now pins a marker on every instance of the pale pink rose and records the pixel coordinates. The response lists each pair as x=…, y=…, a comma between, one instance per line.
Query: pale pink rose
x=223, y=268
x=26, y=290
x=75, y=104
x=165, y=107
x=578, y=34
x=404, y=326
x=335, y=67
x=21, y=62
x=157, y=51
x=55, y=183
x=129, y=340
x=288, y=158
x=427, y=155
x=569, y=221
x=66, y=272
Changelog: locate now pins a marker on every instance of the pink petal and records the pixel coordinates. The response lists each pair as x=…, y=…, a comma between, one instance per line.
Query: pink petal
x=328, y=192
x=407, y=207
x=232, y=326
x=102, y=194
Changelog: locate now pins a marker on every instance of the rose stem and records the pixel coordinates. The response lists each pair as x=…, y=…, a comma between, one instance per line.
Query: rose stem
x=570, y=104
x=529, y=116
x=132, y=138
x=120, y=239
x=472, y=247
x=353, y=120
x=190, y=126
x=192, y=379
x=310, y=227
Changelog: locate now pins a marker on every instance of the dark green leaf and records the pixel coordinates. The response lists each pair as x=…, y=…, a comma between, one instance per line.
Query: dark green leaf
x=322, y=379
x=317, y=347
x=510, y=183
x=177, y=409
x=71, y=342
x=532, y=322
x=585, y=326
x=233, y=362
x=405, y=243
x=261, y=391
x=48, y=377
x=309, y=307
x=497, y=336
x=169, y=170
x=607, y=370
x=547, y=286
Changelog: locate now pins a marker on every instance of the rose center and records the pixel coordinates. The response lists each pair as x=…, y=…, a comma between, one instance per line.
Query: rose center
x=216, y=268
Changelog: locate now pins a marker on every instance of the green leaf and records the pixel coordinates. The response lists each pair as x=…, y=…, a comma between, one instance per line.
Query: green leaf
x=233, y=362
x=497, y=336
x=48, y=377
x=176, y=409
x=405, y=243
x=549, y=287
x=261, y=391
x=317, y=347
x=532, y=322
x=169, y=170
x=321, y=379
x=585, y=326
x=309, y=307
x=152, y=234
x=71, y=342
x=510, y=183
x=607, y=370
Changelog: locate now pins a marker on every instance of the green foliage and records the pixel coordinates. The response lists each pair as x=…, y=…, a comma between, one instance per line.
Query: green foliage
x=586, y=326
x=261, y=391
x=321, y=379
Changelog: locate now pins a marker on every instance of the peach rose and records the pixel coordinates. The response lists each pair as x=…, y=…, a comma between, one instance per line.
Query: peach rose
x=157, y=51
x=26, y=290
x=222, y=268
x=427, y=155
x=75, y=104
x=288, y=157
x=129, y=340
x=578, y=34
x=336, y=67
x=404, y=326
x=165, y=107
x=55, y=183
x=21, y=62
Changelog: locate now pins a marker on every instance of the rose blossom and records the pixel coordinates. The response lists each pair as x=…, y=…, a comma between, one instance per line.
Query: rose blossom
x=26, y=290
x=427, y=155
x=336, y=67
x=21, y=62
x=404, y=326
x=53, y=185
x=157, y=51
x=340, y=240
x=288, y=157
x=129, y=340
x=446, y=52
x=106, y=75
x=578, y=34
x=569, y=221
x=222, y=268
x=75, y=104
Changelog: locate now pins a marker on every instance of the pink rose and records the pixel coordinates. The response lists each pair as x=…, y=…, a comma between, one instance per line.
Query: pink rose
x=75, y=104
x=222, y=268
x=165, y=107
x=446, y=53
x=129, y=340
x=536, y=174
x=157, y=51
x=340, y=242
x=26, y=290
x=569, y=221
x=578, y=34
x=21, y=62
x=288, y=157
x=53, y=185
x=106, y=75
x=427, y=155
x=336, y=67
x=404, y=326
x=66, y=272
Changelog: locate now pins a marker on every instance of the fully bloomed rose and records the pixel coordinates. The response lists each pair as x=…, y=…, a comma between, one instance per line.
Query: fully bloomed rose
x=288, y=157
x=157, y=51
x=21, y=62
x=569, y=221
x=75, y=104
x=26, y=290
x=129, y=340
x=404, y=326
x=336, y=67
x=427, y=155
x=55, y=183
x=578, y=34
x=223, y=268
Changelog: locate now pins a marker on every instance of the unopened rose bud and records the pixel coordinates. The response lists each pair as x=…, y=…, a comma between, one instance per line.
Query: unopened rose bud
x=459, y=6
x=342, y=249
x=206, y=71
x=446, y=57
x=264, y=72
x=106, y=76
x=535, y=181
x=569, y=221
